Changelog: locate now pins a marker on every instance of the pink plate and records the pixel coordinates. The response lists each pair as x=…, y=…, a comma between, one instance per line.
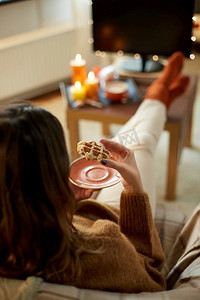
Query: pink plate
x=91, y=174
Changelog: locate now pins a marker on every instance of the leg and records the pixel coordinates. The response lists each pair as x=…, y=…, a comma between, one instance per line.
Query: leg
x=140, y=133
x=73, y=130
x=173, y=158
x=189, y=133
x=106, y=129
x=148, y=123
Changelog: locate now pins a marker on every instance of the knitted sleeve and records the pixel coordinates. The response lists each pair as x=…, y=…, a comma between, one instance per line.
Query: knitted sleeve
x=137, y=223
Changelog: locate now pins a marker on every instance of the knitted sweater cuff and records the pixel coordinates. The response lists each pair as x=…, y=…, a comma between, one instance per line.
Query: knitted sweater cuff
x=135, y=214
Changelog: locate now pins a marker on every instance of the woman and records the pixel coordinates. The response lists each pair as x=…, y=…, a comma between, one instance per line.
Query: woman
x=48, y=230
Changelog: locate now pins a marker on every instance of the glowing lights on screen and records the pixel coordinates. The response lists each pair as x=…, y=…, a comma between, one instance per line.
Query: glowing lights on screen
x=120, y=53
x=90, y=22
x=91, y=40
x=137, y=56
x=155, y=57
x=193, y=38
x=100, y=53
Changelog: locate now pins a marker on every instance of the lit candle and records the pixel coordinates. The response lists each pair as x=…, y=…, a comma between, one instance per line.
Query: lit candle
x=78, y=92
x=92, y=85
x=78, y=68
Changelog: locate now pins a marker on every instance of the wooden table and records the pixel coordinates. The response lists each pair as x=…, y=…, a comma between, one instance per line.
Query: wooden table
x=179, y=122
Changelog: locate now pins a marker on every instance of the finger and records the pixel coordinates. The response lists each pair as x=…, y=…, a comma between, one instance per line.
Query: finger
x=110, y=145
x=113, y=146
x=111, y=164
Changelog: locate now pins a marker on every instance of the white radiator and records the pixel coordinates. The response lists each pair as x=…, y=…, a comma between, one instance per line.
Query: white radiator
x=34, y=60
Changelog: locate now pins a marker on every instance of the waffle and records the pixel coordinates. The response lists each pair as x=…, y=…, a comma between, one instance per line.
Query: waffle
x=91, y=150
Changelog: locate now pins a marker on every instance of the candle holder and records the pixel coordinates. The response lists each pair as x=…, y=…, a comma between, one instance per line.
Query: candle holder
x=78, y=91
x=78, y=69
x=92, y=86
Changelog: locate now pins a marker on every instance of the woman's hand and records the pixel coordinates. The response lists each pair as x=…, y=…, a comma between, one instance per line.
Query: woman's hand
x=124, y=162
x=80, y=193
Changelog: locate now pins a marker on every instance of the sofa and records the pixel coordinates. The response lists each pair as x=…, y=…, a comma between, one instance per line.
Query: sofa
x=180, y=238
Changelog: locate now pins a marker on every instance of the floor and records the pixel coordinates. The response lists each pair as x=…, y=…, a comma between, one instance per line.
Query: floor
x=188, y=183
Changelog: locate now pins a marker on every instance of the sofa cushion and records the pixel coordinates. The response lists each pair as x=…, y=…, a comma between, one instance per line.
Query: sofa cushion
x=14, y=289
x=184, y=292
x=48, y=291
x=185, y=250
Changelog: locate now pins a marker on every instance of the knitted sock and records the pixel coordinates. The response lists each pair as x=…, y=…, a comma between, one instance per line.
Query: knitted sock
x=177, y=88
x=172, y=69
x=170, y=85
x=157, y=91
x=166, y=95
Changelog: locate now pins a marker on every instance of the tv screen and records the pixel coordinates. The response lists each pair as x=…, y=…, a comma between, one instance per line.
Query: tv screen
x=197, y=7
x=3, y=2
x=143, y=26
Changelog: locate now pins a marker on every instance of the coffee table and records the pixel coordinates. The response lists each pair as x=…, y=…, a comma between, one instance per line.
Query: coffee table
x=179, y=125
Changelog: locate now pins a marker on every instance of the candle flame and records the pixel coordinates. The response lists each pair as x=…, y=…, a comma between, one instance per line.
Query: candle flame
x=77, y=85
x=91, y=75
x=78, y=58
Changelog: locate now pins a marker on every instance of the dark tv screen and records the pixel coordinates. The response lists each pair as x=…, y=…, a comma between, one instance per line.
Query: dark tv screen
x=3, y=2
x=143, y=26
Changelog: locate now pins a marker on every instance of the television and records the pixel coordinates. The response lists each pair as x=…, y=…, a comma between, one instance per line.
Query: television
x=3, y=2
x=142, y=26
x=197, y=7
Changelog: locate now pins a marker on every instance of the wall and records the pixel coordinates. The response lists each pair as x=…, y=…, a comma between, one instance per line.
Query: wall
x=25, y=23
x=25, y=16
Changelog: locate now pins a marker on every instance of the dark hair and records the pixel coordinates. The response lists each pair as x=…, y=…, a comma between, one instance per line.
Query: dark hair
x=36, y=202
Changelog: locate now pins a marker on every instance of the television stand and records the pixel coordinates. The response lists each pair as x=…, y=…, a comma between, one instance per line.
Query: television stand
x=142, y=64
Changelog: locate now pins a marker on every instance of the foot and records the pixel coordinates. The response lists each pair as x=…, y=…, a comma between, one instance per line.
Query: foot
x=171, y=84
x=177, y=88
x=172, y=69
x=157, y=91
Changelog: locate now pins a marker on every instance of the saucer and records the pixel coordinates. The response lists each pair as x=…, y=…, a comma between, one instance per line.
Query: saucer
x=91, y=174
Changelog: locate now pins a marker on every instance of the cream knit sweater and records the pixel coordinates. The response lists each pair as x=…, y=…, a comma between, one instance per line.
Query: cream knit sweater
x=130, y=253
